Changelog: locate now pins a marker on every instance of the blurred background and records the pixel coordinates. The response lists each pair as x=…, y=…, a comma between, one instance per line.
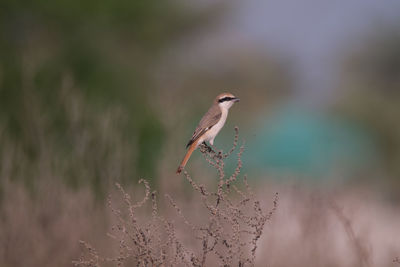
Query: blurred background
x=98, y=92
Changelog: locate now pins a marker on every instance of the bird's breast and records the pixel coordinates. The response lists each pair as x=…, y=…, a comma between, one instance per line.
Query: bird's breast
x=217, y=127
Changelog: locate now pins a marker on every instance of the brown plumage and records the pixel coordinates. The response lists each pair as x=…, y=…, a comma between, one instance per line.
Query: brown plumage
x=210, y=125
x=209, y=119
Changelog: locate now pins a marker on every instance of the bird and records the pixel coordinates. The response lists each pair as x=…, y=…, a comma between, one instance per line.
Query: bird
x=210, y=125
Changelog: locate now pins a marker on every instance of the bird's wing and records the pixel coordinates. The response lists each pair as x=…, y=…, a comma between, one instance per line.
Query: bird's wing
x=211, y=118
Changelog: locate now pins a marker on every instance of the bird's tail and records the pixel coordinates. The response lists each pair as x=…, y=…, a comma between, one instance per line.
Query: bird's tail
x=192, y=147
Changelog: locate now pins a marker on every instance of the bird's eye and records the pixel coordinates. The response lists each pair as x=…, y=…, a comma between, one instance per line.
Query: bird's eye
x=227, y=98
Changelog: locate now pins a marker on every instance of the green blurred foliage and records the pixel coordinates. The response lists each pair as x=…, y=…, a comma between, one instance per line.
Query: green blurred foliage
x=372, y=96
x=108, y=49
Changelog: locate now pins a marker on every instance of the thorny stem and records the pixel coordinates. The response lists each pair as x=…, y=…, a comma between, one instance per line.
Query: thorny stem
x=235, y=223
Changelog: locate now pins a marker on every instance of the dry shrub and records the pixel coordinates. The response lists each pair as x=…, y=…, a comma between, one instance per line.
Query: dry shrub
x=46, y=202
x=229, y=236
x=359, y=229
x=73, y=144
x=42, y=230
x=359, y=248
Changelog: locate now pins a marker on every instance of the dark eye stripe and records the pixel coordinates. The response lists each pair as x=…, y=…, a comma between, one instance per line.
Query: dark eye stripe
x=227, y=98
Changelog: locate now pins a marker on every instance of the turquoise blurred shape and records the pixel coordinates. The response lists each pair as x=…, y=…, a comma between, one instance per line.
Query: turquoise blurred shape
x=298, y=142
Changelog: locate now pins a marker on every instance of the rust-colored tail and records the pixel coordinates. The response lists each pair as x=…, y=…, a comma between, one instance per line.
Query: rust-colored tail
x=186, y=158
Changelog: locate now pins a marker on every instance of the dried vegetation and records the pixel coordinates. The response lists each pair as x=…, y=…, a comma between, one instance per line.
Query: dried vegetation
x=228, y=237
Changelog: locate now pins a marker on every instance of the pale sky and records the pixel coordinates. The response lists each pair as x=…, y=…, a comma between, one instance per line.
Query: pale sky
x=310, y=33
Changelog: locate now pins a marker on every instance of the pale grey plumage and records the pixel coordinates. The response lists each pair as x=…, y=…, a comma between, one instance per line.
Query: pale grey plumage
x=210, y=125
x=206, y=123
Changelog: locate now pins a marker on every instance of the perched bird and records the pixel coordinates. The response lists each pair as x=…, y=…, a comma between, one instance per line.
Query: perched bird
x=210, y=125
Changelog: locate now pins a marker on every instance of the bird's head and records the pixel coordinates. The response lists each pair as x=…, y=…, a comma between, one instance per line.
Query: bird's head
x=226, y=100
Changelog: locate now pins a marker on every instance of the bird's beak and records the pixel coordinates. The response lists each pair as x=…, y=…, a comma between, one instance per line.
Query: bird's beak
x=236, y=99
